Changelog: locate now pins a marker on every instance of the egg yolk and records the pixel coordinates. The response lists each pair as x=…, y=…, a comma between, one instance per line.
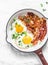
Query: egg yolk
x=19, y=28
x=27, y=39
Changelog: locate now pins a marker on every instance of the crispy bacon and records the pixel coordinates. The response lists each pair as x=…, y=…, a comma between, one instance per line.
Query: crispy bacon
x=36, y=25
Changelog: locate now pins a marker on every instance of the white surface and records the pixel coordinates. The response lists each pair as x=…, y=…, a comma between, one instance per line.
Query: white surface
x=8, y=56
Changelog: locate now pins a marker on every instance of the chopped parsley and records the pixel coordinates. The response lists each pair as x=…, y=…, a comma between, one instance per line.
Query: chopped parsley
x=44, y=9
x=27, y=45
x=27, y=20
x=14, y=36
x=16, y=23
x=23, y=17
x=20, y=44
x=18, y=37
x=24, y=33
x=19, y=41
x=31, y=45
x=46, y=2
x=41, y=5
x=14, y=19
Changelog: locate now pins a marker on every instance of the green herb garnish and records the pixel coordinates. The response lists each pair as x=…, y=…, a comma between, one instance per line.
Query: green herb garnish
x=44, y=9
x=23, y=17
x=46, y=2
x=24, y=33
x=27, y=20
x=18, y=37
x=14, y=36
x=41, y=5
x=16, y=23
x=19, y=41
x=20, y=44
x=30, y=45
x=14, y=19
x=27, y=45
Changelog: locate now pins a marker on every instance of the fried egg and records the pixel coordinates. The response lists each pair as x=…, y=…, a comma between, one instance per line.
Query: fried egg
x=24, y=41
x=18, y=26
x=22, y=36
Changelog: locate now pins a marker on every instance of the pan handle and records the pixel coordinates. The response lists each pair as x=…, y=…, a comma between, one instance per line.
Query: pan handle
x=39, y=53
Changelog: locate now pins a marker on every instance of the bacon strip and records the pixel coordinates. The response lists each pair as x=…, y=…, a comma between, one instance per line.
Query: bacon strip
x=36, y=25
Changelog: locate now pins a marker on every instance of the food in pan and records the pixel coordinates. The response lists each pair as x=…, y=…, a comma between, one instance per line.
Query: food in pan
x=28, y=30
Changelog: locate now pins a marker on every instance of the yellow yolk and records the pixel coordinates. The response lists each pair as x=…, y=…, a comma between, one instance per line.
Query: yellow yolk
x=27, y=39
x=19, y=28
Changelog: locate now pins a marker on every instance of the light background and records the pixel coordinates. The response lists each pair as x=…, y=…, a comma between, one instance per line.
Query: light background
x=9, y=56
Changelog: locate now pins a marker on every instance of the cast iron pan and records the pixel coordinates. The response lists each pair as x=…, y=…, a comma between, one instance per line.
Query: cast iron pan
x=37, y=49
